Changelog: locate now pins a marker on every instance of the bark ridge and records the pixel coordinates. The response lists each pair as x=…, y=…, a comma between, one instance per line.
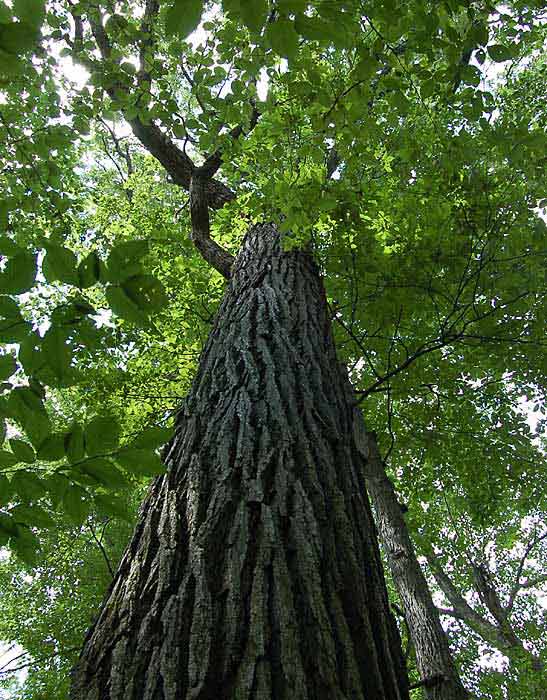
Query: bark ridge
x=254, y=570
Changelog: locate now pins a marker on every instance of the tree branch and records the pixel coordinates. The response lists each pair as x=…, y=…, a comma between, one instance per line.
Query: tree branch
x=215, y=254
x=517, y=586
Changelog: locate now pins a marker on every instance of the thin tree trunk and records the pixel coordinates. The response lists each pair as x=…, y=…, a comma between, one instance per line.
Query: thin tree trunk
x=440, y=678
x=254, y=570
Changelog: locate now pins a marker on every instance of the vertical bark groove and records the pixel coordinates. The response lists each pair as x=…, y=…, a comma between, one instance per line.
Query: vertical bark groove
x=254, y=570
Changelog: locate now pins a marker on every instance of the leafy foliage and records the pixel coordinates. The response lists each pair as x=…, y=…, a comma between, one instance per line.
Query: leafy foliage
x=404, y=141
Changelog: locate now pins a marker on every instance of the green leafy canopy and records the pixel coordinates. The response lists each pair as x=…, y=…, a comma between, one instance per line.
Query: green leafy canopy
x=402, y=142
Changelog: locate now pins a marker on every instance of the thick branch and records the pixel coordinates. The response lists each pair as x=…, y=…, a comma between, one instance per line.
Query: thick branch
x=211, y=251
x=502, y=637
x=490, y=597
x=178, y=165
x=461, y=607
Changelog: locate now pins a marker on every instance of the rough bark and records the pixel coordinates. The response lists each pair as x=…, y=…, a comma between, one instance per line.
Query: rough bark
x=439, y=676
x=254, y=570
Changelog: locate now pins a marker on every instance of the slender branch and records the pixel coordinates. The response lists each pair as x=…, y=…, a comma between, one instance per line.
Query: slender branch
x=451, y=613
x=215, y=254
x=102, y=549
x=534, y=541
x=192, y=84
x=5, y=670
x=461, y=607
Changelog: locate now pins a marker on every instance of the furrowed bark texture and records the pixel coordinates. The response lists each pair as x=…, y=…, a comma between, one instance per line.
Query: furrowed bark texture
x=254, y=570
x=433, y=658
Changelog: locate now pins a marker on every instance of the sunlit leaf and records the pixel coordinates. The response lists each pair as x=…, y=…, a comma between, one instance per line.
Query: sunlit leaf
x=19, y=274
x=105, y=472
x=60, y=264
x=140, y=461
x=183, y=17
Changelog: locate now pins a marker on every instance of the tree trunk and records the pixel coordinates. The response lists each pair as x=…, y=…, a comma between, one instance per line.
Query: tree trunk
x=440, y=678
x=254, y=570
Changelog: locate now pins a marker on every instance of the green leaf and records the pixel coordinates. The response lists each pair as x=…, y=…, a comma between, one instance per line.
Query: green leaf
x=283, y=38
x=23, y=451
x=57, y=353
x=23, y=402
x=105, y=472
x=183, y=17
x=8, y=526
x=30, y=355
x=5, y=489
x=142, y=462
x=7, y=459
x=60, y=264
x=89, y=270
x=8, y=247
x=231, y=6
x=8, y=366
x=10, y=65
x=76, y=504
x=52, y=448
x=32, y=516
x=366, y=67
x=102, y=435
x=14, y=330
x=112, y=506
x=19, y=274
x=74, y=443
x=254, y=13
x=124, y=307
x=292, y=5
x=26, y=545
x=313, y=28
x=478, y=34
x=471, y=75
x=124, y=260
x=27, y=485
x=146, y=292
x=56, y=485
x=18, y=37
x=9, y=308
x=72, y=313
x=153, y=437
x=499, y=53
x=31, y=11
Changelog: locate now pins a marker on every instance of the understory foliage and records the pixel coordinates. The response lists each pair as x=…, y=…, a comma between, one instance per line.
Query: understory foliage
x=404, y=142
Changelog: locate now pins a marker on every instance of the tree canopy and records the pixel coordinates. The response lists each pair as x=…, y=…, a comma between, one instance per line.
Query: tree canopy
x=404, y=144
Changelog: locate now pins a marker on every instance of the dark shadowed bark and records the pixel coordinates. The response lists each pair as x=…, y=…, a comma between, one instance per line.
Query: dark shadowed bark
x=254, y=570
x=440, y=678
